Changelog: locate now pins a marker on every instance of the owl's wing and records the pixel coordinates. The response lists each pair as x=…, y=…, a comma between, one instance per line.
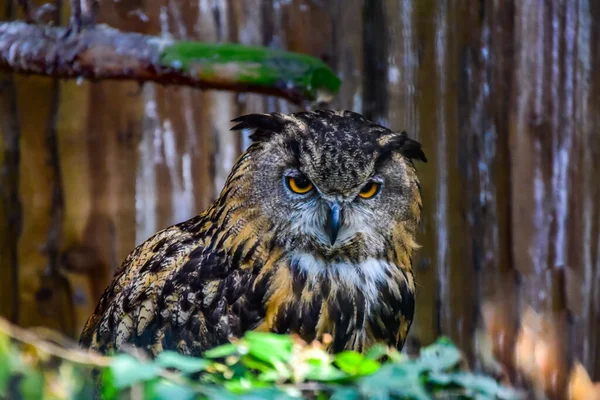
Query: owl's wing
x=173, y=292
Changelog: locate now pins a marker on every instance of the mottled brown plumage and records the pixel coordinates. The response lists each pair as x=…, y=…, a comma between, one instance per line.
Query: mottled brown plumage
x=335, y=259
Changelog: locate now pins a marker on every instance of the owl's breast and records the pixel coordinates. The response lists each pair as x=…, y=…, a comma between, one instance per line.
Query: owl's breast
x=358, y=304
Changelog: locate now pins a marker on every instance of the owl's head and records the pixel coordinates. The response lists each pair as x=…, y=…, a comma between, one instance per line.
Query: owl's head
x=331, y=184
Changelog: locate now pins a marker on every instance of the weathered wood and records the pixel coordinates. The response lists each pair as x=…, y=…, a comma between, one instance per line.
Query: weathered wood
x=346, y=52
x=579, y=113
x=502, y=95
x=552, y=144
x=41, y=288
x=109, y=130
x=10, y=206
x=248, y=29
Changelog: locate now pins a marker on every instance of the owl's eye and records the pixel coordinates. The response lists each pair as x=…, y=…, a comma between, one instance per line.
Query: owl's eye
x=299, y=184
x=370, y=190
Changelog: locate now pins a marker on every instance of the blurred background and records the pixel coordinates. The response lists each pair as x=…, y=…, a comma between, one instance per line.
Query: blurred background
x=503, y=95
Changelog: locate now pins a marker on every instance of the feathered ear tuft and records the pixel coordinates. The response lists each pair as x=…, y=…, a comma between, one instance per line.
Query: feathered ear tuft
x=412, y=149
x=400, y=142
x=264, y=124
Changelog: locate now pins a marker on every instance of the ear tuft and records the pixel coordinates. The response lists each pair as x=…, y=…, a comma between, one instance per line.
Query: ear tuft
x=264, y=124
x=412, y=149
x=400, y=142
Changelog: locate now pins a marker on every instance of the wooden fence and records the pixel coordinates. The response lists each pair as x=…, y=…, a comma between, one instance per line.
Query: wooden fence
x=504, y=96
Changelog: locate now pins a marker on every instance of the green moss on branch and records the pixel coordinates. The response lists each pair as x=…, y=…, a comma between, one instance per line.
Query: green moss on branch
x=103, y=52
x=256, y=66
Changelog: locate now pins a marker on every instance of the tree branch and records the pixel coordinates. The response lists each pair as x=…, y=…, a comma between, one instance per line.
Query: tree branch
x=101, y=52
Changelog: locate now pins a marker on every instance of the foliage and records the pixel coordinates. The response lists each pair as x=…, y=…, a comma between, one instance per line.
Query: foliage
x=259, y=366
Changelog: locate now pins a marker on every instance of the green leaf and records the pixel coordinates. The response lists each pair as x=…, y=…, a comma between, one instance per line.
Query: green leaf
x=125, y=370
x=474, y=383
x=5, y=363
x=218, y=393
x=325, y=373
x=403, y=380
x=240, y=385
x=222, y=351
x=187, y=365
x=32, y=385
x=345, y=393
x=165, y=390
x=253, y=363
x=273, y=349
x=108, y=388
x=273, y=375
x=272, y=393
x=440, y=356
x=318, y=366
x=278, y=344
x=355, y=363
x=264, y=353
x=261, y=366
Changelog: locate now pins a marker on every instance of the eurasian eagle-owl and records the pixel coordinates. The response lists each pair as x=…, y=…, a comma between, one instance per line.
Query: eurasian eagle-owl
x=313, y=233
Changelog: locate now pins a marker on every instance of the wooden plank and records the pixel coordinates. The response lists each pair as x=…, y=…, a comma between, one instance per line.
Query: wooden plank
x=347, y=52
x=188, y=117
x=554, y=223
x=220, y=107
x=44, y=292
x=457, y=303
x=404, y=112
x=247, y=29
x=485, y=78
x=581, y=94
x=375, y=61
x=71, y=125
x=99, y=127
x=530, y=153
x=10, y=214
x=426, y=325
x=402, y=67
x=40, y=295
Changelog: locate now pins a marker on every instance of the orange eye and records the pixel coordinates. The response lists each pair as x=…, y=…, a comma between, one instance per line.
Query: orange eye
x=370, y=190
x=299, y=184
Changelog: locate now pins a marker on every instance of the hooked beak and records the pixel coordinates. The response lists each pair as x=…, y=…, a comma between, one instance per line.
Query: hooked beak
x=334, y=220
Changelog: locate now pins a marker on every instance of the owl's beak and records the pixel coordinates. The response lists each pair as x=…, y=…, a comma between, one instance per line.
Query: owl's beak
x=334, y=220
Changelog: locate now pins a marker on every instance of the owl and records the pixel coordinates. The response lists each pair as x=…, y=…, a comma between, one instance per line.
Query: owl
x=312, y=234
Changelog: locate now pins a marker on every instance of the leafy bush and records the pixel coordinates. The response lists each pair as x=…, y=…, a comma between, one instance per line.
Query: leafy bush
x=259, y=366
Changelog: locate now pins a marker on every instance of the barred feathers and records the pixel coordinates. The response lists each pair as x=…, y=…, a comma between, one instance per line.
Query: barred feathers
x=235, y=267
